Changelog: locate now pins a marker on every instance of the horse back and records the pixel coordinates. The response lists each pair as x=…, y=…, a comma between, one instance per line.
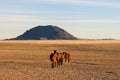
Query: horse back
x=67, y=55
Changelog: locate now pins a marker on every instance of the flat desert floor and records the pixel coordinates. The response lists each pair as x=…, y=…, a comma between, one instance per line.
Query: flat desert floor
x=90, y=60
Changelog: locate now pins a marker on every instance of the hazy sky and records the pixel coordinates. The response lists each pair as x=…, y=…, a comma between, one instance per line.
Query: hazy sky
x=82, y=18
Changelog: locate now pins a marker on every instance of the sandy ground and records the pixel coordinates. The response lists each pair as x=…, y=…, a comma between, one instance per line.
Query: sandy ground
x=90, y=60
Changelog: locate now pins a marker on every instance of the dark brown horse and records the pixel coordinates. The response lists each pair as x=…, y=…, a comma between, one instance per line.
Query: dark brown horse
x=67, y=56
x=53, y=58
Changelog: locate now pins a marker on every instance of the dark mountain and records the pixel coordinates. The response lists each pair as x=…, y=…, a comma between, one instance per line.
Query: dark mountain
x=45, y=32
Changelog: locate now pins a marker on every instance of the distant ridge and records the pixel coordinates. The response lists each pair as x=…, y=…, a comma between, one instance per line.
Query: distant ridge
x=107, y=39
x=48, y=32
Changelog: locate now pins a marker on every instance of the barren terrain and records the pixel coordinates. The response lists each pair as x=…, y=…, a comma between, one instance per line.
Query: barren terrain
x=90, y=60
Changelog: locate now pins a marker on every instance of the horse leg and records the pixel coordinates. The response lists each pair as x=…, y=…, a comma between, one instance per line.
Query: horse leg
x=52, y=64
x=65, y=60
x=61, y=61
x=68, y=60
x=58, y=62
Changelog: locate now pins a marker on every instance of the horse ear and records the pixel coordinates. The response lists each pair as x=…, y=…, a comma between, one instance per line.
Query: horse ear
x=55, y=50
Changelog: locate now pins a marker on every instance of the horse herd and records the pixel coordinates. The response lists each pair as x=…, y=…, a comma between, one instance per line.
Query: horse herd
x=57, y=58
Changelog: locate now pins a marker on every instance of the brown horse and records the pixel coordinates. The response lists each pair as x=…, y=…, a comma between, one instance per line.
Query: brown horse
x=56, y=59
x=59, y=59
x=67, y=56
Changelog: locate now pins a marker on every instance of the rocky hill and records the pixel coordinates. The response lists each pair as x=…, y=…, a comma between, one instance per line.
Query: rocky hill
x=48, y=32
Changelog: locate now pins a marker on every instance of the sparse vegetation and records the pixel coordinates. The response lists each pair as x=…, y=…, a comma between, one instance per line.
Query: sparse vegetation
x=90, y=60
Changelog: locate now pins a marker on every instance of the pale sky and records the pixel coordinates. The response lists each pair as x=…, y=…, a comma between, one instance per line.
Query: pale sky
x=92, y=19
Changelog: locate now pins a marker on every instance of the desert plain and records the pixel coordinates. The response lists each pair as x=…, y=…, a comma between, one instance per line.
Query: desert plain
x=90, y=60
